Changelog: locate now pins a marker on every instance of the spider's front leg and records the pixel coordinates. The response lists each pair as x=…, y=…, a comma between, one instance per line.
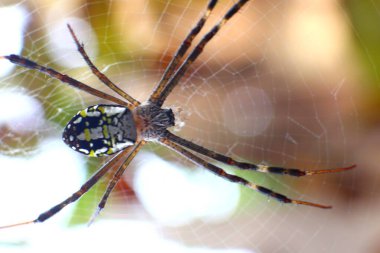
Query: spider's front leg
x=181, y=52
x=158, y=97
x=250, y=166
x=235, y=179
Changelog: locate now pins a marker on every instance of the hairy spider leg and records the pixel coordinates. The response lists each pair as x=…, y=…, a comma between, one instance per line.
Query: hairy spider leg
x=76, y=195
x=26, y=63
x=181, y=51
x=235, y=179
x=116, y=177
x=103, y=78
x=249, y=166
x=196, y=52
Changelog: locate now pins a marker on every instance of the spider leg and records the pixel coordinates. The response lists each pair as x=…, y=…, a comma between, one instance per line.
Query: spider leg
x=181, y=51
x=76, y=195
x=103, y=78
x=235, y=179
x=116, y=177
x=249, y=166
x=26, y=63
x=196, y=52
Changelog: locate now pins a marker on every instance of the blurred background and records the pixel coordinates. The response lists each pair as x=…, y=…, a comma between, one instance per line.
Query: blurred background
x=288, y=83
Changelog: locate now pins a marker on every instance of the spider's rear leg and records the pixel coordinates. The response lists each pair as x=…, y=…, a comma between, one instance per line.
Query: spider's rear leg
x=236, y=179
x=29, y=64
x=76, y=195
x=115, y=179
x=103, y=78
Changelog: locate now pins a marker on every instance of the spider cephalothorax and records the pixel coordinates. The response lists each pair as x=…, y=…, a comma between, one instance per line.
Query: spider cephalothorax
x=122, y=129
x=152, y=121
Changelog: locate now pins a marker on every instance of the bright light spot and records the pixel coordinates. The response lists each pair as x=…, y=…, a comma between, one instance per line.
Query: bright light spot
x=175, y=196
x=110, y=236
x=316, y=37
x=21, y=113
x=247, y=111
x=13, y=20
x=62, y=46
x=31, y=185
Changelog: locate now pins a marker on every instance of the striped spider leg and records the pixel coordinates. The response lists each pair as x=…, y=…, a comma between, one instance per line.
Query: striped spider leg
x=159, y=99
x=249, y=166
x=181, y=145
x=232, y=178
x=29, y=64
x=83, y=189
x=181, y=52
x=116, y=177
x=103, y=78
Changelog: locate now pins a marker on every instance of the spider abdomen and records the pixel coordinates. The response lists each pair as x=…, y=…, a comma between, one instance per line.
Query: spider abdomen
x=101, y=130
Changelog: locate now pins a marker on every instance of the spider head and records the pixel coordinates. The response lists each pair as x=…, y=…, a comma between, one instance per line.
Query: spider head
x=101, y=130
x=152, y=121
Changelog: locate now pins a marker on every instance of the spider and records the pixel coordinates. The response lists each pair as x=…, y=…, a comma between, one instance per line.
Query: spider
x=121, y=129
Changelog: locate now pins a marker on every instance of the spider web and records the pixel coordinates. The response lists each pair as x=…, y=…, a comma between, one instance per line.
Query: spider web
x=273, y=87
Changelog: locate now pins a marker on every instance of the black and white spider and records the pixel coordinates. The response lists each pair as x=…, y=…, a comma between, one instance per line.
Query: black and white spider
x=122, y=128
